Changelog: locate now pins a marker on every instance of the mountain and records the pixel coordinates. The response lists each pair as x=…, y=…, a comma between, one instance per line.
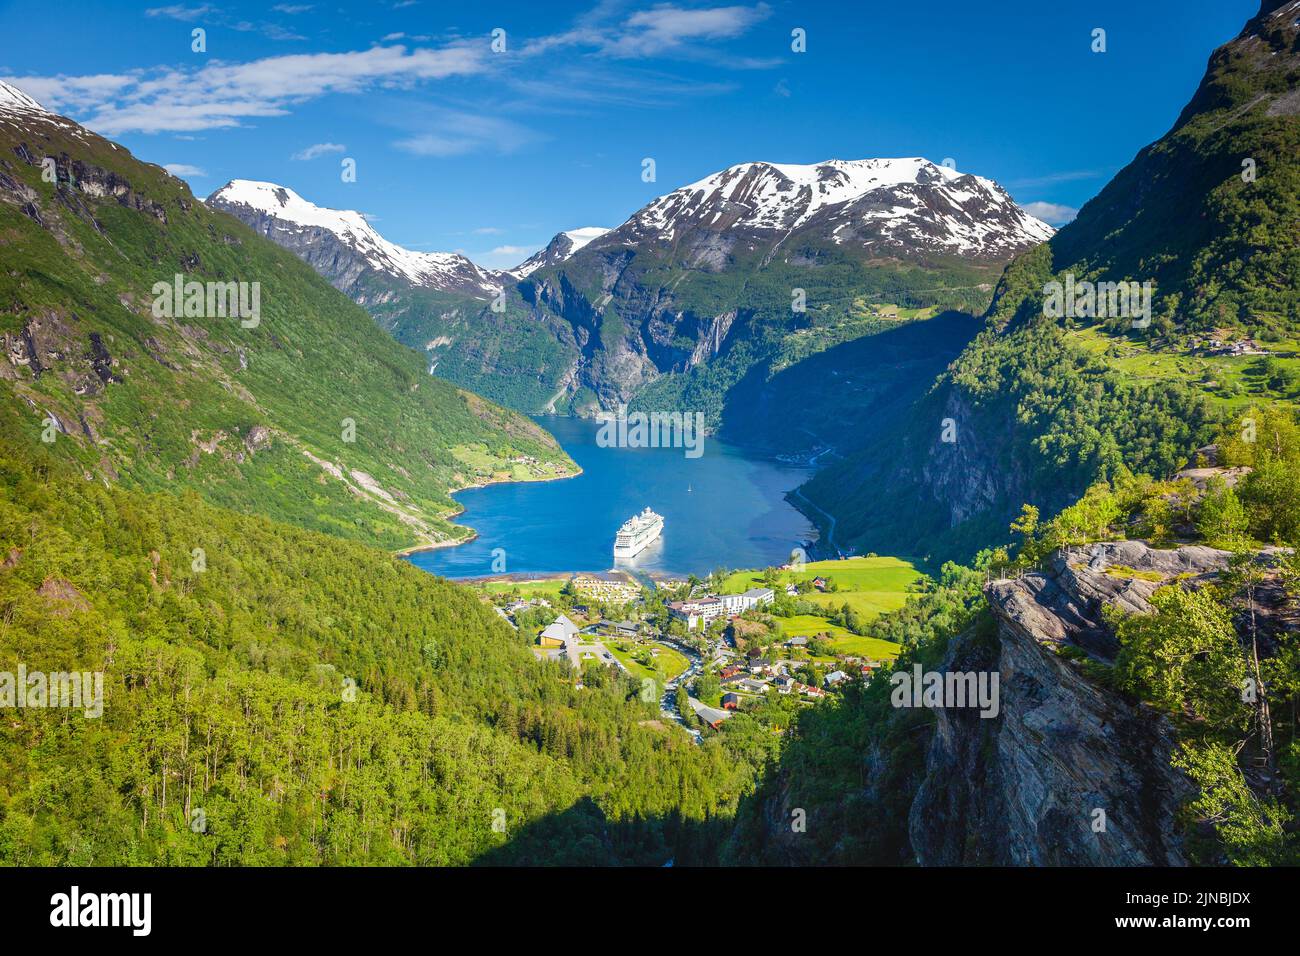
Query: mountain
x=342, y=246
x=762, y=263
x=693, y=292
x=1040, y=406
x=265, y=390
x=557, y=250
x=881, y=206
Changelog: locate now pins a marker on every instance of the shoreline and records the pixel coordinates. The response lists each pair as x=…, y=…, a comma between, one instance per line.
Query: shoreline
x=452, y=515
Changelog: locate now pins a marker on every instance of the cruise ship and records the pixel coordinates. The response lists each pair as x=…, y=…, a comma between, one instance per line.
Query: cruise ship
x=637, y=534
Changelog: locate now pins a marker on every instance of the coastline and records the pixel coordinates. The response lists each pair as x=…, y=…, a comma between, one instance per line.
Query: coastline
x=451, y=515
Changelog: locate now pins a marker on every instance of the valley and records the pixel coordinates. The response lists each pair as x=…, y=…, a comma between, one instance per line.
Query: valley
x=928, y=572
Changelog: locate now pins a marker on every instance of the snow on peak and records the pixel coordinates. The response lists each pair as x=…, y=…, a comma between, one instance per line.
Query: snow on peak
x=436, y=269
x=557, y=250
x=14, y=100
x=786, y=196
x=580, y=237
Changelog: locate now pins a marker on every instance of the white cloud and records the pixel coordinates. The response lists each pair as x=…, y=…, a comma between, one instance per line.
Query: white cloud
x=222, y=94
x=1050, y=212
x=291, y=8
x=317, y=150
x=178, y=11
x=455, y=133
x=666, y=27
x=183, y=169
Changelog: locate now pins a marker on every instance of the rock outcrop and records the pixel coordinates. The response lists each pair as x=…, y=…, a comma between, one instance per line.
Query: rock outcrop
x=1069, y=772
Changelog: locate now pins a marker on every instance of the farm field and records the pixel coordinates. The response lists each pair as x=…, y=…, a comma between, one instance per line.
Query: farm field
x=869, y=585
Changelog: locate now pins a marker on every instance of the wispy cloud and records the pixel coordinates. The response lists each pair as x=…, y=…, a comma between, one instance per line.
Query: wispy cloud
x=316, y=150
x=1054, y=179
x=178, y=11
x=220, y=94
x=1052, y=213
x=223, y=94
x=456, y=133
x=183, y=169
x=291, y=9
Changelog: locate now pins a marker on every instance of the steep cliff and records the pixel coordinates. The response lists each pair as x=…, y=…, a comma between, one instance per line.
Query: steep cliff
x=1026, y=787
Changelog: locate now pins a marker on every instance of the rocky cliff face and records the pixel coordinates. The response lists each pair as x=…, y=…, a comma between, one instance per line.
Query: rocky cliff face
x=1026, y=787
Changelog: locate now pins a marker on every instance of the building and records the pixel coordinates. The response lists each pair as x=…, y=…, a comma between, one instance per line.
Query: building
x=751, y=685
x=558, y=632
x=739, y=603
x=797, y=642
x=784, y=684
x=730, y=701
x=697, y=611
x=710, y=715
x=835, y=677
x=613, y=587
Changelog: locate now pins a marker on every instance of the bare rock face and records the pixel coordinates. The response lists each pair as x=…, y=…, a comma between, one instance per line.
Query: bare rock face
x=1032, y=786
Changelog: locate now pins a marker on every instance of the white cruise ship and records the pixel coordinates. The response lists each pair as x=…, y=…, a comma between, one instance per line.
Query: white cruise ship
x=637, y=534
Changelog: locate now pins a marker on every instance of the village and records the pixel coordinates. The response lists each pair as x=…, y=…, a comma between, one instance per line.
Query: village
x=708, y=650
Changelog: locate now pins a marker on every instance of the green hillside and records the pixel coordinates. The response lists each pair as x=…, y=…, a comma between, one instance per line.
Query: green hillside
x=231, y=734
x=310, y=415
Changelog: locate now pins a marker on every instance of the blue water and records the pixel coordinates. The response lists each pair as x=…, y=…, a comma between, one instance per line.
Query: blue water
x=724, y=508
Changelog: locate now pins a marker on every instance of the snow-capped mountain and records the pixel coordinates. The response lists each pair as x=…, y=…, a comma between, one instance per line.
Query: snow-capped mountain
x=558, y=249
x=880, y=206
x=343, y=246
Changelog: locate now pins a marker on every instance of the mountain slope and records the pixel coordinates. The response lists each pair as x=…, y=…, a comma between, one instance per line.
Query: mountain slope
x=693, y=293
x=305, y=411
x=1042, y=407
x=342, y=246
x=708, y=283
x=298, y=700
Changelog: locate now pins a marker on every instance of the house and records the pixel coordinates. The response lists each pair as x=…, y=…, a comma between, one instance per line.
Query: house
x=819, y=583
x=759, y=665
x=558, y=632
x=784, y=684
x=835, y=677
x=730, y=701
x=791, y=590
x=710, y=715
x=797, y=642
x=625, y=629
x=751, y=685
x=610, y=586
x=730, y=671
x=808, y=690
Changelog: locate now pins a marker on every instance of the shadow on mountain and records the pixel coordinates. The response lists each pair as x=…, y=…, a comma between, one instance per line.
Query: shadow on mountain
x=583, y=836
x=838, y=795
x=858, y=385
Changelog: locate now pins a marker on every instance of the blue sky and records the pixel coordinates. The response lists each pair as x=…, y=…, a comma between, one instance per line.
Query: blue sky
x=458, y=147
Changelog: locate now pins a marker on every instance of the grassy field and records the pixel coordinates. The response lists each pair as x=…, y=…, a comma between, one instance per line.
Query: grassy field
x=670, y=662
x=871, y=586
x=1232, y=381
x=547, y=588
